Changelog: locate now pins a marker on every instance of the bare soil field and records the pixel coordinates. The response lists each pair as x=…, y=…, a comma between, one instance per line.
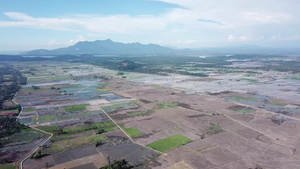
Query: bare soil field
x=237, y=129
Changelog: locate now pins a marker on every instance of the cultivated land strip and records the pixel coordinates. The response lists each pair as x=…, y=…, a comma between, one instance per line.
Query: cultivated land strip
x=20, y=166
x=124, y=130
x=116, y=124
x=20, y=162
x=273, y=138
x=86, y=87
x=270, y=112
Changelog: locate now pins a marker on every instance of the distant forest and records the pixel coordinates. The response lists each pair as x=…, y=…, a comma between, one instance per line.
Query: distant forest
x=162, y=64
x=10, y=82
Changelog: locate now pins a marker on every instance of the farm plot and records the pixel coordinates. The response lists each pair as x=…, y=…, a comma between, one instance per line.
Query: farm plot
x=264, y=102
x=169, y=143
x=14, y=147
x=125, y=149
x=133, y=132
x=119, y=106
x=242, y=109
x=73, y=143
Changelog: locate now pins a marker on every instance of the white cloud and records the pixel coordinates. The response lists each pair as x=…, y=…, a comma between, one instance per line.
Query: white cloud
x=92, y=23
x=203, y=21
x=243, y=38
x=231, y=37
x=53, y=43
x=267, y=18
x=185, y=41
x=74, y=41
x=275, y=37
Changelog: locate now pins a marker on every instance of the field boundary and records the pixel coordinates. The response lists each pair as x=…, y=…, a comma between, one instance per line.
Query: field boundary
x=125, y=132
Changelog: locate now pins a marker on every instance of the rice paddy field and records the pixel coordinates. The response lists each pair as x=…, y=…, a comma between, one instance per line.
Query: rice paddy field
x=66, y=101
x=169, y=143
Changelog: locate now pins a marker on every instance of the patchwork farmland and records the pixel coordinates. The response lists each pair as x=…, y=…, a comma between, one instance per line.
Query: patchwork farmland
x=92, y=117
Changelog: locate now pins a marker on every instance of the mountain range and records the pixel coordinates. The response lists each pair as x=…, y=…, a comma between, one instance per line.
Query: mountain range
x=104, y=47
x=109, y=47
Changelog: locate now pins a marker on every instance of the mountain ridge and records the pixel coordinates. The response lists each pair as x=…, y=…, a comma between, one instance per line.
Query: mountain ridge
x=109, y=47
x=104, y=47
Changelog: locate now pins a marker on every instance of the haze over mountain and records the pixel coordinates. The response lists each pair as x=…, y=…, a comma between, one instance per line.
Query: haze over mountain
x=105, y=47
x=109, y=47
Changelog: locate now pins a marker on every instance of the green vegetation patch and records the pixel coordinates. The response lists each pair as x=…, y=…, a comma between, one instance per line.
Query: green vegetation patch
x=248, y=74
x=25, y=136
x=107, y=125
x=295, y=78
x=7, y=166
x=48, y=118
x=169, y=143
x=104, y=90
x=50, y=129
x=242, y=109
x=33, y=79
x=9, y=111
x=249, y=80
x=215, y=129
x=26, y=110
x=122, y=164
x=77, y=142
x=239, y=98
x=114, y=106
x=278, y=104
x=167, y=105
x=133, y=132
x=79, y=107
x=71, y=86
x=120, y=106
x=11, y=126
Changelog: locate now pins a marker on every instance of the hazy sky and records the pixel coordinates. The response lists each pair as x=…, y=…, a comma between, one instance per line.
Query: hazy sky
x=48, y=24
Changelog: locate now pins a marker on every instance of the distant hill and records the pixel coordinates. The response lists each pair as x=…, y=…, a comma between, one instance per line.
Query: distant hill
x=104, y=47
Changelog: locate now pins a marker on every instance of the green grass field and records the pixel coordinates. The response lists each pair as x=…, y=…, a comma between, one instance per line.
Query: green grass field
x=278, y=104
x=7, y=166
x=238, y=98
x=104, y=90
x=118, y=105
x=79, y=107
x=48, y=118
x=50, y=129
x=169, y=143
x=249, y=80
x=26, y=110
x=133, y=132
